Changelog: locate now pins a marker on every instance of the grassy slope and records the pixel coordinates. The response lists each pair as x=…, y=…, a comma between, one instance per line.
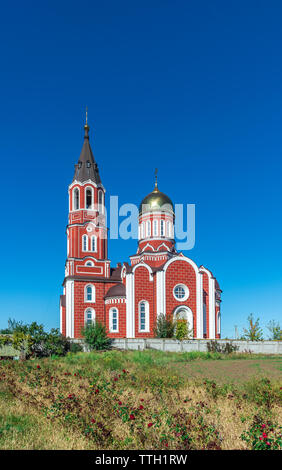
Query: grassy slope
x=137, y=400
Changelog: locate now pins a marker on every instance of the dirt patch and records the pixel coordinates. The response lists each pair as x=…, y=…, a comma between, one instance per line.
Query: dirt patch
x=232, y=370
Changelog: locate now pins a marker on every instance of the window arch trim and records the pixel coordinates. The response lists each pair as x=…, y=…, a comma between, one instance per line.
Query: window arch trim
x=143, y=316
x=89, y=293
x=114, y=320
x=88, y=320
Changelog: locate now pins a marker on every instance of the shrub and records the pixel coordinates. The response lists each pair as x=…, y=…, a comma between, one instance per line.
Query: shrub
x=181, y=329
x=75, y=347
x=32, y=340
x=95, y=336
x=225, y=348
x=164, y=327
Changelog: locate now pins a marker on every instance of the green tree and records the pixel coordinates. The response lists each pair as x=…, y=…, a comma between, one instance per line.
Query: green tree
x=275, y=330
x=253, y=332
x=95, y=336
x=165, y=327
x=33, y=340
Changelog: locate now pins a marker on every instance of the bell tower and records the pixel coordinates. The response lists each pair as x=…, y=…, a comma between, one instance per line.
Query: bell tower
x=86, y=231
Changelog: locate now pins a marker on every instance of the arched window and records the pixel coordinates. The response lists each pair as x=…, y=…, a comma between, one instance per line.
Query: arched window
x=144, y=316
x=185, y=313
x=218, y=323
x=162, y=228
x=101, y=201
x=148, y=228
x=89, y=293
x=89, y=316
x=204, y=318
x=113, y=320
x=89, y=263
x=93, y=243
x=143, y=230
x=155, y=228
x=168, y=229
x=84, y=243
x=76, y=199
x=89, y=198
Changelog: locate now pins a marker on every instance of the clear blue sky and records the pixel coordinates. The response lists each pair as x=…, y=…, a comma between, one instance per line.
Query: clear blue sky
x=193, y=88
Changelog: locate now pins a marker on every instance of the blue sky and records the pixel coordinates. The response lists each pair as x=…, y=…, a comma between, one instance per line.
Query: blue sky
x=192, y=88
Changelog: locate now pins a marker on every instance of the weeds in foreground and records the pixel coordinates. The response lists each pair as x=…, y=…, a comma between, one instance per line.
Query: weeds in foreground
x=114, y=401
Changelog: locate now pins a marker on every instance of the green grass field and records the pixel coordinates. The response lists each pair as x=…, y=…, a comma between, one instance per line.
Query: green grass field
x=142, y=400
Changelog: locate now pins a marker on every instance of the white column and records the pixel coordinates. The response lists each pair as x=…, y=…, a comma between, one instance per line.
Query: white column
x=70, y=309
x=160, y=293
x=199, y=301
x=130, y=307
x=212, y=308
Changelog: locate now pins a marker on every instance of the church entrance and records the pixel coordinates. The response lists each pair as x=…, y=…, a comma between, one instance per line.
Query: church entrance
x=185, y=313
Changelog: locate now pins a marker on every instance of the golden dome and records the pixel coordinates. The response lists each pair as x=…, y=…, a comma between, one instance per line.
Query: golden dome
x=156, y=201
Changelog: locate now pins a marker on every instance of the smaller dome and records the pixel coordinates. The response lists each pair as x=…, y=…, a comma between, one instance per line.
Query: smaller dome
x=118, y=290
x=156, y=201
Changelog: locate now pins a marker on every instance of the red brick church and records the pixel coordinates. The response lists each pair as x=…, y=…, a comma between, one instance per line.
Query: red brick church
x=128, y=298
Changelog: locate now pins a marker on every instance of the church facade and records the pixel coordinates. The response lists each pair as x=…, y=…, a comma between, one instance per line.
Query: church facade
x=129, y=298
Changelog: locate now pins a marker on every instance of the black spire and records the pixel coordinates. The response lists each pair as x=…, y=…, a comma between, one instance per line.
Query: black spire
x=86, y=168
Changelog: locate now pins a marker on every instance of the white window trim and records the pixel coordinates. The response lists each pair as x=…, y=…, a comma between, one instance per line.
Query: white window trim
x=162, y=226
x=204, y=318
x=102, y=203
x=155, y=228
x=93, y=294
x=89, y=263
x=187, y=293
x=147, y=316
x=73, y=199
x=93, y=315
x=188, y=314
x=92, y=198
x=87, y=242
x=94, y=236
x=218, y=323
x=148, y=228
x=111, y=320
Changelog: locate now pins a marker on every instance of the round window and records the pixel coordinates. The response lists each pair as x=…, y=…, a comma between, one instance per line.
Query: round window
x=181, y=292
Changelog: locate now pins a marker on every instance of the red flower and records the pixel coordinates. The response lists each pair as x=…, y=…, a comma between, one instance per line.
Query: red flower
x=141, y=399
x=120, y=403
x=93, y=420
x=150, y=424
x=263, y=426
x=115, y=379
x=268, y=443
x=96, y=391
x=38, y=366
x=131, y=417
x=264, y=435
x=141, y=407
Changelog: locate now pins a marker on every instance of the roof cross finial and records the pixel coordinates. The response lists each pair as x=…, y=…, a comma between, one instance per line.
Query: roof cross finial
x=156, y=178
x=86, y=127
